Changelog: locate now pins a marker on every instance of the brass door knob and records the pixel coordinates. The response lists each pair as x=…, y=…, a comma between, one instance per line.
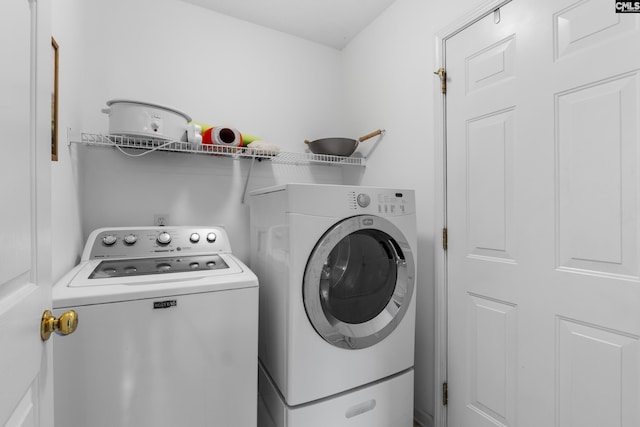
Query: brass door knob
x=64, y=325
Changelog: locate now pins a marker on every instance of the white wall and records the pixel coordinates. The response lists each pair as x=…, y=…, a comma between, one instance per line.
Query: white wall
x=389, y=82
x=228, y=72
x=66, y=215
x=217, y=69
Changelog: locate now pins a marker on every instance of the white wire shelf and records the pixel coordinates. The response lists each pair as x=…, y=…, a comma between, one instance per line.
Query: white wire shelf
x=145, y=145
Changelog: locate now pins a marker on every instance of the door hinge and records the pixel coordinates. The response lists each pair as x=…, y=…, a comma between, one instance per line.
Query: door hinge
x=445, y=239
x=443, y=78
x=445, y=394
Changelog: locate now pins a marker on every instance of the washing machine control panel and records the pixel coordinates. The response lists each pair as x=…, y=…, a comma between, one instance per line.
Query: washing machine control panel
x=130, y=242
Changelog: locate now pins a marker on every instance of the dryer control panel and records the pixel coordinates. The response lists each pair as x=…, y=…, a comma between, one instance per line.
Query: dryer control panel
x=386, y=203
x=138, y=242
x=392, y=204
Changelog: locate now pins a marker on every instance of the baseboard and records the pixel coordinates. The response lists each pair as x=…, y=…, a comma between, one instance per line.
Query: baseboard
x=422, y=418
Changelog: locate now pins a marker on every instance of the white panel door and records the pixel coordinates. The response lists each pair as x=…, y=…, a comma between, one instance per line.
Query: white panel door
x=543, y=192
x=25, y=361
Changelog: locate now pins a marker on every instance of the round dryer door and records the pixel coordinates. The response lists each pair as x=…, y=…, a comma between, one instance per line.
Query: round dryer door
x=358, y=282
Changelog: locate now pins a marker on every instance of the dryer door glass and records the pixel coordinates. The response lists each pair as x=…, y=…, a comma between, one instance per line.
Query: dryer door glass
x=358, y=282
x=359, y=276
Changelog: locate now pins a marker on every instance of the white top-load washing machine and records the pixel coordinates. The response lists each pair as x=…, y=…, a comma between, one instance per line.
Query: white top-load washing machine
x=337, y=303
x=167, y=332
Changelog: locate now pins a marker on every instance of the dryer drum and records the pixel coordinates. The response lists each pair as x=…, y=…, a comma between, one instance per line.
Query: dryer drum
x=358, y=282
x=360, y=277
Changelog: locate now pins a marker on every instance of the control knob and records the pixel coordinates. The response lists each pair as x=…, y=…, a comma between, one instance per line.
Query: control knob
x=130, y=239
x=109, y=239
x=194, y=238
x=363, y=200
x=211, y=237
x=164, y=238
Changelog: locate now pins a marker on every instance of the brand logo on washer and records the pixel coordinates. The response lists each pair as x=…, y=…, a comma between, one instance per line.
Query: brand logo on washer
x=367, y=221
x=165, y=304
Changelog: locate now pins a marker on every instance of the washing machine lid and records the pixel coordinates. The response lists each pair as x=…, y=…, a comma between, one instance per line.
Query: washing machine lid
x=149, y=271
x=163, y=265
x=76, y=288
x=359, y=281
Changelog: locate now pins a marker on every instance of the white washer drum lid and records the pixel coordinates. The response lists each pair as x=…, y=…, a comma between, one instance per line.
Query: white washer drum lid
x=359, y=281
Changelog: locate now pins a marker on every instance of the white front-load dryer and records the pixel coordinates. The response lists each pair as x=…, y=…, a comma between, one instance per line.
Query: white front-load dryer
x=337, y=270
